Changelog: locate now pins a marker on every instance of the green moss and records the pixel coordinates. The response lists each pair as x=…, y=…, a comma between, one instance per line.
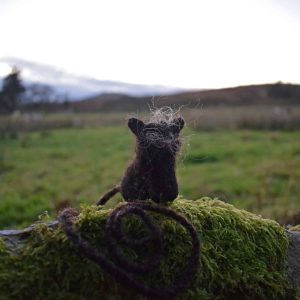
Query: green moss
x=243, y=257
x=295, y=228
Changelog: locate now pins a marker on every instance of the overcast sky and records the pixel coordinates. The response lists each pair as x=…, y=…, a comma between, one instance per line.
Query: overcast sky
x=193, y=44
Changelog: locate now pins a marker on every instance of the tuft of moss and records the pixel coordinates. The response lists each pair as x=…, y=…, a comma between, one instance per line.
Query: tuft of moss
x=243, y=256
x=295, y=228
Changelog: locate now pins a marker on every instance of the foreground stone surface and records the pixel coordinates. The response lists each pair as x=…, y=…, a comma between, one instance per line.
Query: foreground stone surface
x=293, y=259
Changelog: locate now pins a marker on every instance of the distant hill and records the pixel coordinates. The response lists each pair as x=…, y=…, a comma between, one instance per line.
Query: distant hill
x=77, y=87
x=111, y=102
x=265, y=94
x=91, y=94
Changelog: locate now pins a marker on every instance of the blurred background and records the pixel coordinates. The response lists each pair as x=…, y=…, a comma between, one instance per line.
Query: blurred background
x=72, y=72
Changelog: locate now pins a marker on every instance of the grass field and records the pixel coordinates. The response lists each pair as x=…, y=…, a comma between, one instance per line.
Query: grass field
x=41, y=172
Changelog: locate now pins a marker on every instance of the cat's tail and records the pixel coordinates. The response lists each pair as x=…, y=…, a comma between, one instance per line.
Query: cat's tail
x=109, y=194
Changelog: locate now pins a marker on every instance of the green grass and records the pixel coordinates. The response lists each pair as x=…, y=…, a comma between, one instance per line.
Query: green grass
x=44, y=171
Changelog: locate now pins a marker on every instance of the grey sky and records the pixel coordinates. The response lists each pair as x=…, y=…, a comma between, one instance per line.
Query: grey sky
x=191, y=43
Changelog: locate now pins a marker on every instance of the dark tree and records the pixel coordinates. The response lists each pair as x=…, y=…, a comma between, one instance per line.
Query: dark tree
x=12, y=90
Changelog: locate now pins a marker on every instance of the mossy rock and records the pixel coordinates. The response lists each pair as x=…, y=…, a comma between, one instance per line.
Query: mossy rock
x=295, y=228
x=243, y=256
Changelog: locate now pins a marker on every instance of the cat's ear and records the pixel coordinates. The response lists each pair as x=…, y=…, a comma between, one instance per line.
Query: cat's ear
x=135, y=125
x=178, y=124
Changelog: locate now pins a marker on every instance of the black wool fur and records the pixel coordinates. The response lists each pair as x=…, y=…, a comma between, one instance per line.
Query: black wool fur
x=152, y=173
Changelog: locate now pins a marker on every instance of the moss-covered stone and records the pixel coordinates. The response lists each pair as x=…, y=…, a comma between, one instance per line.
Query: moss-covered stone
x=295, y=228
x=243, y=257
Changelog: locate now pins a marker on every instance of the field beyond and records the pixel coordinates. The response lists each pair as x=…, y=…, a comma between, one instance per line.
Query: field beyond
x=42, y=172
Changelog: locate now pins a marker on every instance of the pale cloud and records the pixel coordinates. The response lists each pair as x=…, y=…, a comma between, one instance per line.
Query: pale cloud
x=199, y=44
x=4, y=69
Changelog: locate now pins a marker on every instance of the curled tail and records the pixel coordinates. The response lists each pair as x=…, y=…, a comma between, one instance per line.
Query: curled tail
x=108, y=195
